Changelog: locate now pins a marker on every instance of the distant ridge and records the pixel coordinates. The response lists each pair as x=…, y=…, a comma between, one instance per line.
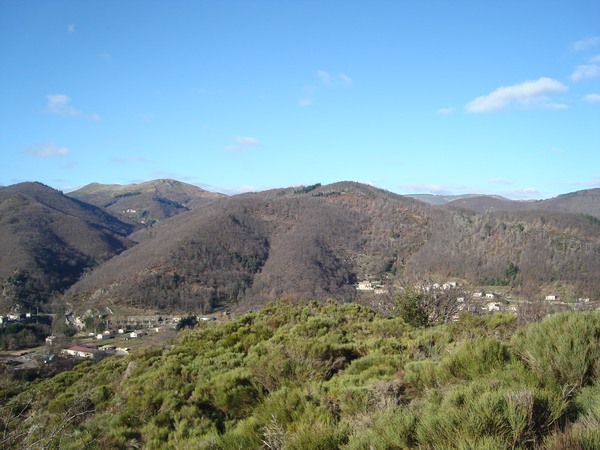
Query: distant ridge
x=579, y=202
x=146, y=203
x=438, y=199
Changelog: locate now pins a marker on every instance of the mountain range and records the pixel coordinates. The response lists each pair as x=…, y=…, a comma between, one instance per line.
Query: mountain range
x=312, y=242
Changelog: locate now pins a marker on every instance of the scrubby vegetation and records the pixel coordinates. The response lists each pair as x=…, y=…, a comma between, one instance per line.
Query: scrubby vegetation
x=307, y=376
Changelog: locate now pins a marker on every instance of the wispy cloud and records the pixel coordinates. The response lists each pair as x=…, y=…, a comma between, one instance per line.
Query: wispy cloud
x=528, y=93
x=592, y=98
x=504, y=181
x=47, y=150
x=586, y=43
x=327, y=80
x=242, y=143
x=71, y=29
x=585, y=71
x=340, y=80
x=60, y=104
x=308, y=96
x=445, y=111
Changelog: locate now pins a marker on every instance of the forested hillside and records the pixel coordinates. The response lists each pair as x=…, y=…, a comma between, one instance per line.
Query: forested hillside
x=326, y=376
x=317, y=242
x=529, y=251
x=252, y=248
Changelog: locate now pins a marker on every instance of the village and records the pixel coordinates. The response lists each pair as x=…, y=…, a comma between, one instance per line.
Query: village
x=113, y=335
x=119, y=337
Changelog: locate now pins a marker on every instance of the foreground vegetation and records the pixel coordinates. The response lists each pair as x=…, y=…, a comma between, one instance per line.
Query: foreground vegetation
x=327, y=376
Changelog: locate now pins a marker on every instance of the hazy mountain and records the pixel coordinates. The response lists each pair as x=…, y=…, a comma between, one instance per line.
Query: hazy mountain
x=47, y=240
x=438, y=199
x=145, y=203
x=316, y=242
x=489, y=203
x=581, y=202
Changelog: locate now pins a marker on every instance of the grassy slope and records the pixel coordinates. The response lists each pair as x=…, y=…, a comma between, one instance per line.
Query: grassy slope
x=328, y=376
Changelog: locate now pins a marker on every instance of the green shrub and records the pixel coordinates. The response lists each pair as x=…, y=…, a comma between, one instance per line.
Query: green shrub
x=563, y=351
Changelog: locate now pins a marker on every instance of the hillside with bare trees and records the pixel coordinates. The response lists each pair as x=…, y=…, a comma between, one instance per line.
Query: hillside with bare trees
x=317, y=242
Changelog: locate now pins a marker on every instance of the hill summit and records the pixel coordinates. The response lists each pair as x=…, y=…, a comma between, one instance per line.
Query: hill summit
x=145, y=203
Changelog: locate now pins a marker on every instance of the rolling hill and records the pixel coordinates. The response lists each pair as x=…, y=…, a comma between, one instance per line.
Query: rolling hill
x=48, y=240
x=145, y=203
x=317, y=242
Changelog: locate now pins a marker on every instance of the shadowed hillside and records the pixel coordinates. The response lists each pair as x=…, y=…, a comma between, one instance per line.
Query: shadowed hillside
x=48, y=240
x=145, y=203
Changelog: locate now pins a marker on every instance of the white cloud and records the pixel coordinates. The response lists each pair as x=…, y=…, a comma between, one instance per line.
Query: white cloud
x=60, y=104
x=71, y=28
x=328, y=79
x=595, y=59
x=585, y=71
x=445, y=111
x=583, y=44
x=305, y=101
x=47, y=150
x=531, y=92
x=242, y=142
x=245, y=140
x=592, y=98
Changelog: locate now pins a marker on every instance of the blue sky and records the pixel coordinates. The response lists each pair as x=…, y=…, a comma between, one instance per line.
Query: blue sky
x=435, y=97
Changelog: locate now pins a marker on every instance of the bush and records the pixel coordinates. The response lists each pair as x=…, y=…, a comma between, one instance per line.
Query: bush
x=563, y=351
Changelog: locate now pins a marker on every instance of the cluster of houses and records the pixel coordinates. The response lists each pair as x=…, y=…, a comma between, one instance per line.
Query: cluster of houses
x=372, y=287
x=128, y=334
x=14, y=317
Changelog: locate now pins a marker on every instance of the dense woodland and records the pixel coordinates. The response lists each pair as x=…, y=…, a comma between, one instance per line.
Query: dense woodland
x=328, y=376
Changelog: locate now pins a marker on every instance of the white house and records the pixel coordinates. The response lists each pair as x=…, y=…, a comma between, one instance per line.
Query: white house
x=477, y=294
x=364, y=286
x=490, y=296
x=493, y=307
x=79, y=351
x=551, y=297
